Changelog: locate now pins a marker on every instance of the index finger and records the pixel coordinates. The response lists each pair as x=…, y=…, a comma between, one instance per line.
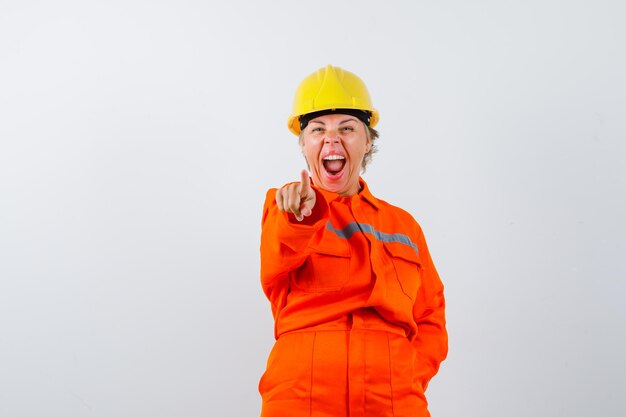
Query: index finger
x=305, y=181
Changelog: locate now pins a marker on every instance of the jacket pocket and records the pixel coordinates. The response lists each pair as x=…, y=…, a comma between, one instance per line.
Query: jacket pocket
x=407, y=267
x=326, y=269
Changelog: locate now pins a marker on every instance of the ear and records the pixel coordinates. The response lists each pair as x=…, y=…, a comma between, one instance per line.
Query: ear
x=301, y=141
x=368, y=145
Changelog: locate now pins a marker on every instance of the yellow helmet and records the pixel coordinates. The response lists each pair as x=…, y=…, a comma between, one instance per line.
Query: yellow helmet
x=330, y=89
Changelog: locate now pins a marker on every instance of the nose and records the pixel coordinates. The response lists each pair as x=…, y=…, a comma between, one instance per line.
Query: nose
x=332, y=136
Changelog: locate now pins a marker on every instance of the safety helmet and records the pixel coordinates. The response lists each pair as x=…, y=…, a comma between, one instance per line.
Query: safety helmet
x=332, y=90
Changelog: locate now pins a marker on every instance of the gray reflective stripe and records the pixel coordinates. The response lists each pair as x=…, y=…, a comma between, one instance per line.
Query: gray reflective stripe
x=354, y=227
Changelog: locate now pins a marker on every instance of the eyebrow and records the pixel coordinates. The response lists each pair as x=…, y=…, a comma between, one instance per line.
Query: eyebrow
x=342, y=122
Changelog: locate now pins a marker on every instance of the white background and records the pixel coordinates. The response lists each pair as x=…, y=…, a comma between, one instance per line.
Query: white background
x=138, y=138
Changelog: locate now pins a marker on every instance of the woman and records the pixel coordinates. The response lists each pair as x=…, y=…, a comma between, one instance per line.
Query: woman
x=357, y=302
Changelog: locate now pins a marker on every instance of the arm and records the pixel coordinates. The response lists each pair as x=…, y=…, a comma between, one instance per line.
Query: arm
x=431, y=341
x=288, y=225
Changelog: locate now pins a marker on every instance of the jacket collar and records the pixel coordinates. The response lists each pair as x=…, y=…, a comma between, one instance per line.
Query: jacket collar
x=363, y=194
x=366, y=195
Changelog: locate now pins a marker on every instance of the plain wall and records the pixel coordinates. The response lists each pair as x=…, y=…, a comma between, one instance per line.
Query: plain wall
x=138, y=138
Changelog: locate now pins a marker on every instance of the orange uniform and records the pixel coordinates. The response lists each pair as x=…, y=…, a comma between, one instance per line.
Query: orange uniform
x=358, y=309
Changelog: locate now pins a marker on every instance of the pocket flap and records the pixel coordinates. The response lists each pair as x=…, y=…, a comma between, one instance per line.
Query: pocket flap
x=332, y=247
x=402, y=251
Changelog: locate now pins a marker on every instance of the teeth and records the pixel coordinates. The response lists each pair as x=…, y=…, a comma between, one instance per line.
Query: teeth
x=333, y=157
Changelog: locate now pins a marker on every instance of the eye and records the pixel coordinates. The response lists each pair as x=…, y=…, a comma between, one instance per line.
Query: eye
x=347, y=129
x=316, y=129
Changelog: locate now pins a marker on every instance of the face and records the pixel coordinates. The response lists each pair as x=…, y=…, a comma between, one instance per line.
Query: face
x=334, y=146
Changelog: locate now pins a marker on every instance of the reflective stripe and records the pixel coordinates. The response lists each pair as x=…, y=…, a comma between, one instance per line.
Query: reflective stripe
x=352, y=228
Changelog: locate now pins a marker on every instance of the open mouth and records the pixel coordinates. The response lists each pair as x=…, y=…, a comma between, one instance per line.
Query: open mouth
x=333, y=164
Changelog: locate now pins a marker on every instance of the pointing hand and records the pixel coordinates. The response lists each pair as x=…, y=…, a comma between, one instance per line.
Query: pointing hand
x=297, y=198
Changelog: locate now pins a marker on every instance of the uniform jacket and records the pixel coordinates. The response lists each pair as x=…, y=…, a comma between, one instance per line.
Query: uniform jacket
x=353, y=253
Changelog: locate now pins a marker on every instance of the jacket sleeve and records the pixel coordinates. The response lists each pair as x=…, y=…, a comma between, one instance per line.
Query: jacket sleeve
x=431, y=341
x=284, y=245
